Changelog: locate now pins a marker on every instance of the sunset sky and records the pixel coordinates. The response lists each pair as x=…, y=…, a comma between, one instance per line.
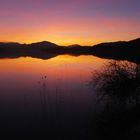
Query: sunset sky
x=65, y=22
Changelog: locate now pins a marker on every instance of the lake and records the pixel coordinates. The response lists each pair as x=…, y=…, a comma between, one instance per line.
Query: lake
x=47, y=98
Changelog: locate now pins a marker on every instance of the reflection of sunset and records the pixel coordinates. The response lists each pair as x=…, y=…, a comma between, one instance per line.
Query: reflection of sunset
x=63, y=66
x=67, y=73
x=56, y=74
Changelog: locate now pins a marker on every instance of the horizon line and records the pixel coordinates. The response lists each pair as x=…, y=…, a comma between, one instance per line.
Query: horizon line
x=70, y=44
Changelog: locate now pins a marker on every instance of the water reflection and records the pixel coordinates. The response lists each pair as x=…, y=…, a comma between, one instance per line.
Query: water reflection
x=50, y=98
x=46, y=98
x=118, y=87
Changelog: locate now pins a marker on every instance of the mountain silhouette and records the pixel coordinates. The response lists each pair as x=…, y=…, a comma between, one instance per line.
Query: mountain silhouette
x=121, y=50
x=43, y=44
x=74, y=45
x=124, y=50
x=120, y=43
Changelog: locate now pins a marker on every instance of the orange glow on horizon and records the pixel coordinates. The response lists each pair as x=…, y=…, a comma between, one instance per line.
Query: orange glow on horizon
x=81, y=31
x=83, y=22
x=63, y=65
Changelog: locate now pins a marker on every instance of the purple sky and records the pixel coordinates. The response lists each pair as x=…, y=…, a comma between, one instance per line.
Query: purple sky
x=66, y=22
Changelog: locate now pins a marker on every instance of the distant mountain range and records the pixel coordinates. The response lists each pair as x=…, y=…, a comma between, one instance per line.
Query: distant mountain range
x=124, y=50
x=122, y=44
x=35, y=45
x=121, y=50
x=48, y=44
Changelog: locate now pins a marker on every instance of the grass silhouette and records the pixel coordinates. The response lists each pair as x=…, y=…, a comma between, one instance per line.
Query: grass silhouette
x=118, y=89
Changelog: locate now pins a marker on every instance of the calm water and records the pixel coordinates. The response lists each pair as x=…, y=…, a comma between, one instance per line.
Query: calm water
x=51, y=96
